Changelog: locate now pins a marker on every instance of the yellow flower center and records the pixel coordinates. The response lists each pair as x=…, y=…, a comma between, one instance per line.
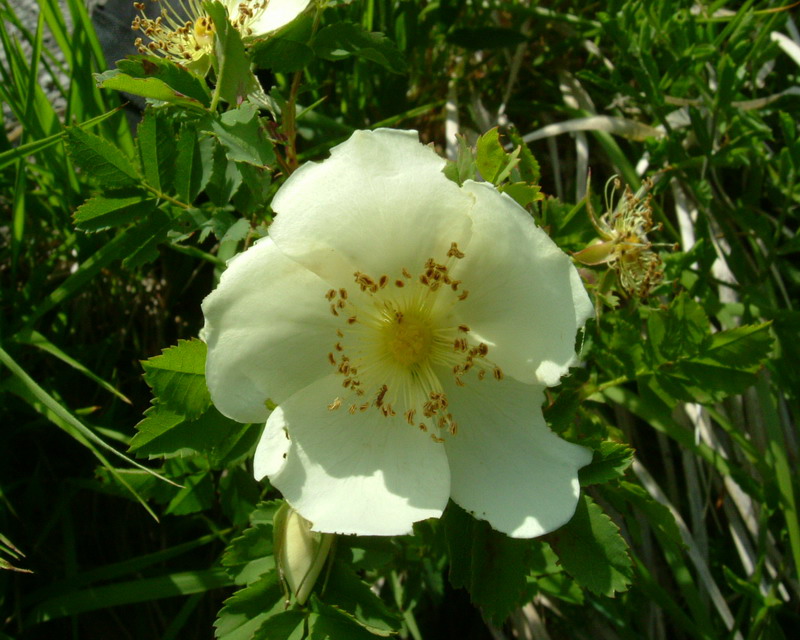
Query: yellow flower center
x=397, y=338
x=408, y=338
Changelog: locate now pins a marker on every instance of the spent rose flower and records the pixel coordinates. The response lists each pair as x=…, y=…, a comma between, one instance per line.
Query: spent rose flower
x=406, y=328
x=184, y=33
x=623, y=243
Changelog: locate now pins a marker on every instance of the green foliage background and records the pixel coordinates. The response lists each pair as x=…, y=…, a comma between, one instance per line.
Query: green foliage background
x=127, y=504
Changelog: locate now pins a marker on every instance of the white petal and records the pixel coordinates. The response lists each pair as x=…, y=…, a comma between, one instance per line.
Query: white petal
x=378, y=204
x=352, y=473
x=526, y=300
x=277, y=14
x=269, y=330
x=506, y=466
x=273, y=447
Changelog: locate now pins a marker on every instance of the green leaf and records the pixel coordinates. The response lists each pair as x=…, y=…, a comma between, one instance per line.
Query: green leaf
x=287, y=51
x=659, y=517
x=152, y=88
x=331, y=623
x=112, y=210
x=235, y=81
x=345, y=590
x=238, y=494
x=249, y=556
x=236, y=441
x=196, y=495
x=194, y=163
x=528, y=166
x=179, y=79
x=241, y=134
x=677, y=331
x=286, y=625
x=492, y=160
x=155, y=140
x=523, y=193
x=247, y=609
x=744, y=348
x=609, y=463
x=464, y=167
x=223, y=183
x=177, y=378
x=341, y=40
x=101, y=159
x=592, y=550
x=150, y=234
x=491, y=566
x=167, y=433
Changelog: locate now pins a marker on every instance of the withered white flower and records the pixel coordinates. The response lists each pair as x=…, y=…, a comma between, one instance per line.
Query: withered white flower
x=406, y=328
x=184, y=33
x=623, y=243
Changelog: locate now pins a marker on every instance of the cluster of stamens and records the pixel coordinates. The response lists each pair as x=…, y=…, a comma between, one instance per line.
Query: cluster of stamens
x=187, y=34
x=391, y=340
x=640, y=268
x=624, y=227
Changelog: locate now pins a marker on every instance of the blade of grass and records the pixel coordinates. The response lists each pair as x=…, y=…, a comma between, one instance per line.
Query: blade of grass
x=119, y=569
x=142, y=590
x=53, y=405
x=776, y=449
x=36, y=339
x=694, y=553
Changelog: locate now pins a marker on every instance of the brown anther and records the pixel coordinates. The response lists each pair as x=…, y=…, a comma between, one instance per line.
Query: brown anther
x=483, y=349
x=422, y=426
x=335, y=404
x=454, y=252
x=497, y=372
x=382, y=281
x=352, y=320
x=406, y=273
x=463, y=328
x=410, y=416
x=341, y=304
x=381, y=395
x=364, y=407
x=399, y=283
x=436, y=438
x=463, y=295
x=343, y=294
x=460, y=344
x=331, y=359
x=339, y=333
x=454, y=284
x=331, y=294
x=333, y=310
x=338, y=347
x=459, y=382
x=353, y=408
x=398, y=315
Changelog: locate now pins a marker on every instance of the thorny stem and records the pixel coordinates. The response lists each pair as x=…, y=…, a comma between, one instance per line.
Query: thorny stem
x=290, y=113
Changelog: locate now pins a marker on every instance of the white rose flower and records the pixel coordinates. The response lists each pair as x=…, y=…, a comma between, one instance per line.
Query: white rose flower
x=185, y=34
x=406, y=328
